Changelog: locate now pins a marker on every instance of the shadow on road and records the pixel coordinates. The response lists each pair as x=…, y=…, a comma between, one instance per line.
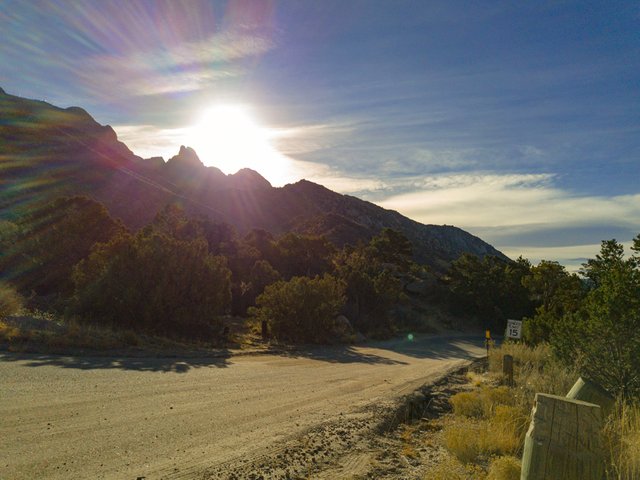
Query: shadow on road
x=434, y=347
x=341, y=354
x=378, y=353
x=141, y=364
x=445, y=347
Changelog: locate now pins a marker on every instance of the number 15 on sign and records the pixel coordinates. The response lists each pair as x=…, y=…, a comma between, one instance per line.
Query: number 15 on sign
x=514, y=329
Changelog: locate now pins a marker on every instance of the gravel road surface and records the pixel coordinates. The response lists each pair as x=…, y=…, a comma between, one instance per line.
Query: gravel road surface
x=124, y=418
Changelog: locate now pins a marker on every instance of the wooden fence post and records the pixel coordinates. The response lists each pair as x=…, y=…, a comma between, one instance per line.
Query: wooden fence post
x=563, y=441
x=588, y=391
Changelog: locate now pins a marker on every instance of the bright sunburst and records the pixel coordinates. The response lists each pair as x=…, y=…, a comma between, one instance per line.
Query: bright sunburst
x=229, y=137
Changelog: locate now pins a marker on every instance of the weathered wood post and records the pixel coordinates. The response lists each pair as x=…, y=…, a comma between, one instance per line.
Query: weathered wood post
x=588, y=391
x=507, y=369
x=563, y=441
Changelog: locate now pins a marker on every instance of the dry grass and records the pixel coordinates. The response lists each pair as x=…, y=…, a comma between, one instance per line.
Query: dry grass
x=622, y=434
x=467, y=404
x=501, y=434
x=481, y=403
x=489, y=424
x=494, y=420
x=535, y=370
x=8, y=333
x=10, y=300
x=408, y=442
x=409, y=451
x=506, y=430
x=463, y=438
x=39, y=330
x=504, y=468
x=522, y=355
x=451, y=469
x=476, y=379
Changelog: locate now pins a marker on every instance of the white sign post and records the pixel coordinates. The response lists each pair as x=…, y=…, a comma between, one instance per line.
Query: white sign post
x=514, y=329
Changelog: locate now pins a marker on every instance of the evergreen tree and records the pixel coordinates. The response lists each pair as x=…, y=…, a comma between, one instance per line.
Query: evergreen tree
x=603, y=338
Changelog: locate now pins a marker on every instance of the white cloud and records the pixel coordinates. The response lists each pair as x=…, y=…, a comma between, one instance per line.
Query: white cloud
x=331, y=178
x=484, y=200
x=499, y=205
x=518, y=213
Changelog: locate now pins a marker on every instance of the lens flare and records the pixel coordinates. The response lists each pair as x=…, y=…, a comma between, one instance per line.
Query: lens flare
x=230, y=138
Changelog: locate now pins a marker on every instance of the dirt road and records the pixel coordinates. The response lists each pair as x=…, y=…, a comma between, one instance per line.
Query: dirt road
x=126, y=418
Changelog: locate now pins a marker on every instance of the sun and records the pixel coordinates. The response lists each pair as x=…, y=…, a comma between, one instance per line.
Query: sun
x=229, y=137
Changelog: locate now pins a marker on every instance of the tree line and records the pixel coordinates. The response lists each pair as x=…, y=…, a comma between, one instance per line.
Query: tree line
x=179, y=275
x=591, y=320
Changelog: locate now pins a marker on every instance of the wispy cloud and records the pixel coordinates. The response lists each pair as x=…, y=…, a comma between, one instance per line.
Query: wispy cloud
x=303, y=139
x=182, y=67
x=522, y=214
x=507, y=200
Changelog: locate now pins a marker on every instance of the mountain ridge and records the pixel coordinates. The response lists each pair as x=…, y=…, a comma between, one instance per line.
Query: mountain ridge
x=64, y=151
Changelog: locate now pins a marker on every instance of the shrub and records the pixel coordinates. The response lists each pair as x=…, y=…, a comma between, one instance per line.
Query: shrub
x=481, y=403
x=451, y=469
x=467, y=404
x=603, y=339
x=155, y=283
x=302, y=309
x=10, y=300
x=462, y=438
x=493, y=398
x=52, y=239
x=502, y=434
x=504, y=468
x=371, y=291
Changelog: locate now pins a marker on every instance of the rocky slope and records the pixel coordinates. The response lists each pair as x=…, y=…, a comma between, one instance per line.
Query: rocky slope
x=46, y=151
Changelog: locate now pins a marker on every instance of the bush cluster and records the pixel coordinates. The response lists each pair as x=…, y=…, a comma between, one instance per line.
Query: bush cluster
x=302, y=309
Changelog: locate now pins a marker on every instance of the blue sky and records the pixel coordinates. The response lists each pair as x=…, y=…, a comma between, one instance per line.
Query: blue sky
x=518, y=121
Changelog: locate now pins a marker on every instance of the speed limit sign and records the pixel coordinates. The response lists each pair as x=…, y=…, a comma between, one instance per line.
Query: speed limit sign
x=514, y=329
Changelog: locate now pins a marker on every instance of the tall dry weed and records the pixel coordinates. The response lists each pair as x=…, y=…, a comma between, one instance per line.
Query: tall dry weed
x=622, y=434
x=501, y=433
x=536, y=370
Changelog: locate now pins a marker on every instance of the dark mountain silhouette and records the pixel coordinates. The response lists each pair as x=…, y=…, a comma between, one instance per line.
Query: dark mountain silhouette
x=46, y=151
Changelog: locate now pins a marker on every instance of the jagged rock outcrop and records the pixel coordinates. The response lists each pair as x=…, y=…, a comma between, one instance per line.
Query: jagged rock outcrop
x=46, y=151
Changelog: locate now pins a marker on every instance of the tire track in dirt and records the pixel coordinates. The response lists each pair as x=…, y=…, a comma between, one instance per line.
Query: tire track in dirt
x=84, y=417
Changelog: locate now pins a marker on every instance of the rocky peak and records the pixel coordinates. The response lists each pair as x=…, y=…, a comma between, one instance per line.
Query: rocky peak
x=187, y=157
x=247, y=179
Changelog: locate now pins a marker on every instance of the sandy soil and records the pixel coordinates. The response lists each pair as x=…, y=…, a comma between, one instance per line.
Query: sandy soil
x=311, y=413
